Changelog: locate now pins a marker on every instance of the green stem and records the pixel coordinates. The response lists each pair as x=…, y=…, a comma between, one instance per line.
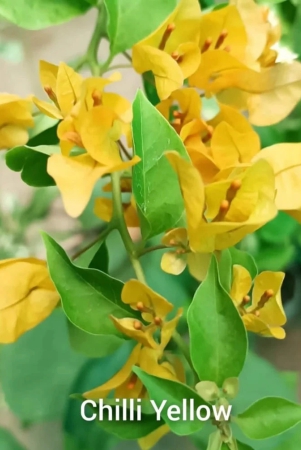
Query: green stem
x=127, y=56
x=152, y=249
x=103, y=234
x=98, y=34
x=184, y=348
x=120, y=225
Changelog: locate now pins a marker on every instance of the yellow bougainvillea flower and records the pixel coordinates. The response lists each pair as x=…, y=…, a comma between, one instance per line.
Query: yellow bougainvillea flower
x=27, y=295
x=171, y=52
x=76, y=177
x=63, y=87
x=175, y=261
x=285, y=159
x=125, y=384
x=263, y=313
x=222, y=213
x=268, y=90
x=15, y=118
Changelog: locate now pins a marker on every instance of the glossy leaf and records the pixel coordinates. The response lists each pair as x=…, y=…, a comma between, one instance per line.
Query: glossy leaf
x=269, y=417
x=36, y=372
x=96, y=257
x=242, y=446
x=153, y=174
x=88, y=296
x=32, y=163
x=8, y=441
x=160, y=389
x=244, y=259
x=91, y=345
x=214, y=321
x=39, y=14
x=129, y=24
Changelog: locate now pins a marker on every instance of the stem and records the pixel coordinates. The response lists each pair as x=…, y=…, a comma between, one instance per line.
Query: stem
x=127, y=56
x=181, y=344
x=120, y=66
x=103, y=234
x=118, y=219
x=98, y=34
x=152, y=249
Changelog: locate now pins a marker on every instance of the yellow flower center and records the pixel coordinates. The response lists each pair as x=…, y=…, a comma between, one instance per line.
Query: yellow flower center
x=169, y=29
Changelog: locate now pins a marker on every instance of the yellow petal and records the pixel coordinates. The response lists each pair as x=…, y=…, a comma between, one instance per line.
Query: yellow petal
x=11, y=136
x=225, y=19
x=48, y=108
x=241, y=285
x=96, y=134
x=120, y=105
x=189, y=58
x=103, y=208
x=230, y=147
x=258, y=326
x=148, y=361
x=198, y=264
x=95, y=85
x=192, y=188
x=48, y=75
x=255, y=26
x=143, y=335
x=272, y=312
x=15, y=111
x=118, y=379
x=28, y=302
x=75, y=177
x=173, y=263
x=175, y=237
x=168, y=74
x=68, y=88
x=285, y=160
x=148, y=442
x=134, y=292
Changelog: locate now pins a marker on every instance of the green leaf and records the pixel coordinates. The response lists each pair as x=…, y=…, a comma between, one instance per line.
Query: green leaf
x=96, y=257
x=225, y=269
x=8, y=442
x=129, y=23
x=39, y=14
x=279, y=229
x=91, y=345
x=44, y=131
x=217, y=334
x=268, y=417
x=37, y=371
x=174, y=393
x=244, y=259
x=242, y=446
x=155, y=184
x=88, y=296
x=32, y=163
x=150, y=88
x=89, y=435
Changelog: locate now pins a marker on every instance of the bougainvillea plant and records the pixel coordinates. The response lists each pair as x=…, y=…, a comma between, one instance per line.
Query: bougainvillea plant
x=192, y=178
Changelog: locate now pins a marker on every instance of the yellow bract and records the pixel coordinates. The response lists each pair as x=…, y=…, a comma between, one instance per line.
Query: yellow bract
x=263, y=313
x=27, y=295
x=15, y=118
x=171, y=52
x=149, y=351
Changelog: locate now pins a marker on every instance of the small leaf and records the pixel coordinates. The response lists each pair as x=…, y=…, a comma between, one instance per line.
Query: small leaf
x=150, y=88
x=130, y=24
x=153, y=174
x=39, y=14
x=32, y=163
x=268, y=417
x=174, y=393
x=88, y=296
x=214, y=321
